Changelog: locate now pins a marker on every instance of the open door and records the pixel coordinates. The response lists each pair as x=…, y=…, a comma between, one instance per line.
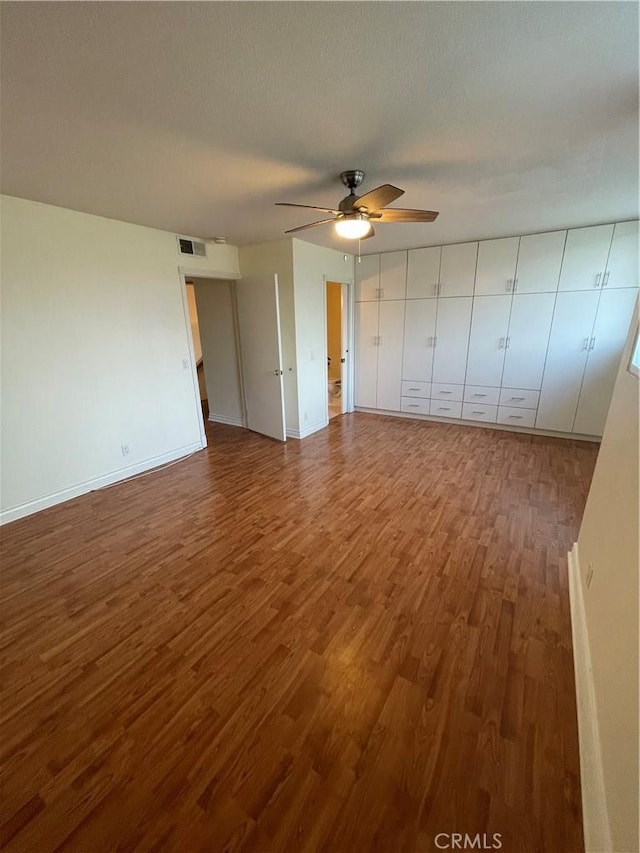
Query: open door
x=261, y=351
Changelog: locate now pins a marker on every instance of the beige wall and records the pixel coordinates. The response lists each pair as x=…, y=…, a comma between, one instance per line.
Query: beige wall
x=334, y=327
x=608, y=542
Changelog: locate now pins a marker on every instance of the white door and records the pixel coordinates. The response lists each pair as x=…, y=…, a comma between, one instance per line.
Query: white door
x=366, y=344
x=488, y=340
x=458, y=269
x=419, y=334
x=261, y=351
x=539, y=262
x=585, y=257
x=571, y=331
x=622, y=266
x=393, y=275
x=452, y=339
x=605, y=349
x=527, y=340
x=423, y=272
x=367, y=278
x=390, y=334
x=496, y=266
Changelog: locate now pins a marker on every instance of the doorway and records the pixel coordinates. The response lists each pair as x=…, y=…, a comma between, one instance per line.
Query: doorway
x=197, y=346
x=337, y=350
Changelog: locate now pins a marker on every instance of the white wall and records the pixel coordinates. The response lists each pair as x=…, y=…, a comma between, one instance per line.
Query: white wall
x=217, y=326
x=263, y=259
x=311, y=265
x=94, y=338
x=609, y=542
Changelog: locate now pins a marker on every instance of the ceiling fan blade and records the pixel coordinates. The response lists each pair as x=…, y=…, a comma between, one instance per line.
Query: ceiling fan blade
x=378, y=198
x=310, y=225
x=401, y=215
x=307, y=206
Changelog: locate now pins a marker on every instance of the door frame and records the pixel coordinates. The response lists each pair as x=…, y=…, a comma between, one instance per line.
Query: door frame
x=184, y=275
x=348, y=325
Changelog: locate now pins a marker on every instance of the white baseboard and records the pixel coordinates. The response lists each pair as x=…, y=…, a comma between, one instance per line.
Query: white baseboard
x=63, y=495
x=308, y=430
x=223, y=419
x=597, y=832
x=480, y=424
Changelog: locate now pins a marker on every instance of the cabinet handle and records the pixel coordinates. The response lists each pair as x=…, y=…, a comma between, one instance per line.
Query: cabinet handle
x=444, y=408
x=517, y=398
x=436, y=289
x=516, y=417
x=382, y=293
x=475, y=412
x=430, y=341
x=605, y=280
x=435, y=340
x=508, y=343
x=509, y=285
x=598, y=279
x=413, y=406
x=502, y=343
x=445, y=392
x=377, y=341
x=417, y=389
x=483, y=395
x=439, y=288
x=592, y=343
x=515, y=284
x=585, y=344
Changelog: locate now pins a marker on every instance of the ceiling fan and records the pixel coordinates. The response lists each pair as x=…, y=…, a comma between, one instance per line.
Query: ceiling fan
x=355, y=215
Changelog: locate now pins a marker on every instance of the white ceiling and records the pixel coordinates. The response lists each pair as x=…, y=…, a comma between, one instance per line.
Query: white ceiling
x=197, y=117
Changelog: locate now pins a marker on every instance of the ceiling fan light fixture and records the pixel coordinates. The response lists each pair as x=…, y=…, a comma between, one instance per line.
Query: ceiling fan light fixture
x=353, y=227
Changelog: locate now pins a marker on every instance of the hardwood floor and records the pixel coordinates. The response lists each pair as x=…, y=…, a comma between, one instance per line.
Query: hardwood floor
x=349, y=644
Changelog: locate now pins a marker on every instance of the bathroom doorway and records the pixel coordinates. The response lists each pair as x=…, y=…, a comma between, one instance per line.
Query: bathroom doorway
x=336, y=348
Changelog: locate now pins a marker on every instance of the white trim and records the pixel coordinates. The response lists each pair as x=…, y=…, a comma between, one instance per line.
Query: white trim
x=480, y=424
x=597, y=831
x=222, y=419
x=308, y=430
x=203, y=272
x=63, y=495
x=192, y=359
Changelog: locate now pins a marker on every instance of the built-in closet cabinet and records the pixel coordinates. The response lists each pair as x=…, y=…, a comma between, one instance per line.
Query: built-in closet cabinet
x=585, y=258
x=571, y=332
x=419, y=340
x=603, y=357
x=539, y=262
x=527, y=339
x=496, y=266
x=379, y=339
x=458, y=269
x=423, y=273
x=522, y=331
x=367, y=278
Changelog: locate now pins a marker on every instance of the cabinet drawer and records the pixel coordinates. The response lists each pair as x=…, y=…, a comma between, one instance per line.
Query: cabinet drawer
x=481, y=394
x=519, y=398
x=414, y=405
x=479, y=412
x=446, y=408
x=416, y=389
x=516, y=417
x=440, y=391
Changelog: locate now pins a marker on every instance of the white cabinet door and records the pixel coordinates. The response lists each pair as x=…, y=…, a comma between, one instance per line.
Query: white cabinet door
x=622, y=266
x=527, y=339
x=390, y=333
x=605, y=348
x=571, y=331
x=585, y=257
x=496, y=266
x=458, y=269
x=452, y=339
x=367, y=278
x=539, y=262
x=419, y=334
x=366, y=333
x=393, y=275
x=423, y=272
x=488, y=339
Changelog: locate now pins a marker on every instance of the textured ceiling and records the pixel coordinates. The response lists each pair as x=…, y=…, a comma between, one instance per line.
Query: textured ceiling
x=197, y=117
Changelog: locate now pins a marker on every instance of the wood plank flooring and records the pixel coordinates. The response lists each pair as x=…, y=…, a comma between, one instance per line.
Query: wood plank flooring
x=346, y=644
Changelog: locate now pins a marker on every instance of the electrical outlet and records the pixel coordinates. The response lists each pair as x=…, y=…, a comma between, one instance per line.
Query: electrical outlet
x=589, y=574
x=125, y=449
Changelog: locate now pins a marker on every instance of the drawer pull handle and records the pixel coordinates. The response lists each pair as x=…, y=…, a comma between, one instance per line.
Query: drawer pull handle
x=417, y=389
x=445, y=392
x=484, y=395
x=518, y=398
x=474, y=412
x=413, y=406
x=444, y=408
x=516, y=417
